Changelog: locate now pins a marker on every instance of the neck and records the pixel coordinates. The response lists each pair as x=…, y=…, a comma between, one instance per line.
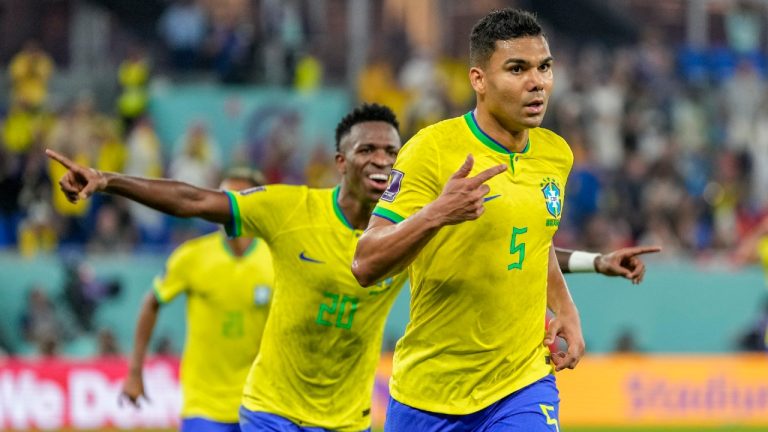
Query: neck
x=514, y=140
x=357, y=211
x=239, y=245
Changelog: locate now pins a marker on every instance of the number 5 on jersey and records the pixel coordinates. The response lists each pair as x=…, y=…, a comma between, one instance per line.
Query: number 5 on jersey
x=517, y=247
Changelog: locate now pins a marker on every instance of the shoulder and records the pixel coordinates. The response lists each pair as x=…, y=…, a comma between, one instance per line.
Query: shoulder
x=201, y=242
x=198, y=246
x=556, y=146
x=276, y=193
x=426, y=139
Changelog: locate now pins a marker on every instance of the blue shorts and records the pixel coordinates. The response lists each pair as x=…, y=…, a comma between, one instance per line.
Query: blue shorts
x=199, y=424
x=254, y=421
x=531, y=409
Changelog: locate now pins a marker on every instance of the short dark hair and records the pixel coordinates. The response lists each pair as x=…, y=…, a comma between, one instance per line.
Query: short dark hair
x=500, y=25
x=252, y=176
x=365, y=113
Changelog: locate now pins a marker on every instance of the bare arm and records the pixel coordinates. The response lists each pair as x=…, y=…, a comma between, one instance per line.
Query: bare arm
x=625, y=262
x=133, y=387
x=566, y=323
x=387, y=248
x=168, y=196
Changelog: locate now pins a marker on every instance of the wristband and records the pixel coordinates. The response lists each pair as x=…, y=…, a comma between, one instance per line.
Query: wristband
x=582, y=262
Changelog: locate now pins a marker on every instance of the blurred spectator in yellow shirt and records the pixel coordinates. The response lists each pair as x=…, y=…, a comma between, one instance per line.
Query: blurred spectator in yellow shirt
x=30, y=70
x=133, y=76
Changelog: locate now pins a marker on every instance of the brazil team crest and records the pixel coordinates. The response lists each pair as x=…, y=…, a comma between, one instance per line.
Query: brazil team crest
x=552, y=196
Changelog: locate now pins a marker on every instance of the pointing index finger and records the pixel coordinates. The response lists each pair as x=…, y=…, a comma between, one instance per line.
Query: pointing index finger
x=60, y=158
x=489, y=174
x=640, y=250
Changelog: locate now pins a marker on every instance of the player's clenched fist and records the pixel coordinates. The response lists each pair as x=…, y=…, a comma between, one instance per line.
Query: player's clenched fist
x=79, y=182
x=462, y=196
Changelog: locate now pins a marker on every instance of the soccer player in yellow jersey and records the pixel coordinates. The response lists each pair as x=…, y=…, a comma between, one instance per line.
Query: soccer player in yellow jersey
x=321, y=343
x=471, y=208
x=228, y=283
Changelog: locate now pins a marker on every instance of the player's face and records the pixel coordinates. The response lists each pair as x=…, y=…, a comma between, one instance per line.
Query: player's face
x=516, y=83
x=366, y=156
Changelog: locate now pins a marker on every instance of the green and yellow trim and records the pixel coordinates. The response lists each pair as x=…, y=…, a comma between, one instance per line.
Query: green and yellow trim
x=492, y=143
x=246, y=252
x=337, y=208
x=387, y=214
x=156, y=292
x=235, y=226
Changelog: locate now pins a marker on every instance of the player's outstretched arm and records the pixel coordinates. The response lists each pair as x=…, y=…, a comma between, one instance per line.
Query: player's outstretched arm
x=566, y=323
x=386, y=248
x=133, y=387
x=168, y=196
x=625, y=262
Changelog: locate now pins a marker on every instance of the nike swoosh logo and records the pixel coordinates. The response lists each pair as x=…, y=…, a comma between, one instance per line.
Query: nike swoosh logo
x=488, y=198
x=308, y=259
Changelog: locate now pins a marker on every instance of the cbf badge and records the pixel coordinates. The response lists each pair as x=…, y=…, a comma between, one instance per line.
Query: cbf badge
x=381, y=286
x=261, y=295
x=552, y=198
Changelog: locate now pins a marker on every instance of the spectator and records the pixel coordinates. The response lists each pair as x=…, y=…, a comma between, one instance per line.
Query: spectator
x=30, y=70
x=84, y=292
x=133, y=76
x=113, y=231
x=197, y=159
x=144, y=159
x=182, y=27
x=40, y=323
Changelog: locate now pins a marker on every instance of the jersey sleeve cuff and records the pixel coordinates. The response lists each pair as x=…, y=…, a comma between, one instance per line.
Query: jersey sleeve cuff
x=387, y=214
x=234, y=228
x=156, y=291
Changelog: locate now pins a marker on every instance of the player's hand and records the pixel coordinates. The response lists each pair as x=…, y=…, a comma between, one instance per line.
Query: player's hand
x=568, y=327
x=625, y=262
x=462, y=196
x=79, y=182
x=133, y=390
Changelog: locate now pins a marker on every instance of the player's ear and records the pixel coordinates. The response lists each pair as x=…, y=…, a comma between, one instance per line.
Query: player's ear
x=341, y=163
x=477, y=79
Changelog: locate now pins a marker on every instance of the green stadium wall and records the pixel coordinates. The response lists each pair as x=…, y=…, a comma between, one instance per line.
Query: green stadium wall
x=679, y=308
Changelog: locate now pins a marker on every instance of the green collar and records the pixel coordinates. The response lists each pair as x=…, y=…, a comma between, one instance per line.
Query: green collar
x=246, y=252
x=337, y=208
x=486, y=139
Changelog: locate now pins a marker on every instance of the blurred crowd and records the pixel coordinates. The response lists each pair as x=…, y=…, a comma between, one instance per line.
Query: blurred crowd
x=669, y=141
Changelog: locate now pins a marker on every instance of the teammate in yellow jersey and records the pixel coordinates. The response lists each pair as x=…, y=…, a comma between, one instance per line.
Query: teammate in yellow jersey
x=471, y=208
x=228, y=283
x=322, y=340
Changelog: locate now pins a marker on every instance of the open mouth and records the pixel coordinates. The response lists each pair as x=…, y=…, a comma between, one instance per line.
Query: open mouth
x=378, y=180
x=535, y=107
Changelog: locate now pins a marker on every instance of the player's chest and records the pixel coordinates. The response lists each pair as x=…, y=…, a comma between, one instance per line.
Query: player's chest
x=226, y=285
x=529, y=193
x=316, y=261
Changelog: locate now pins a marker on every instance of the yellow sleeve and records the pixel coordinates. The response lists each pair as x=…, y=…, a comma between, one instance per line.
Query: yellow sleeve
x=262, y=211
x=413, y=182
x=173, y=281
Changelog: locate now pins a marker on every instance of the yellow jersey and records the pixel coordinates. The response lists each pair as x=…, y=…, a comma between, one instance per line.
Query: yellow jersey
x=479, y=288
x=323, y=340
x=228, y=299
